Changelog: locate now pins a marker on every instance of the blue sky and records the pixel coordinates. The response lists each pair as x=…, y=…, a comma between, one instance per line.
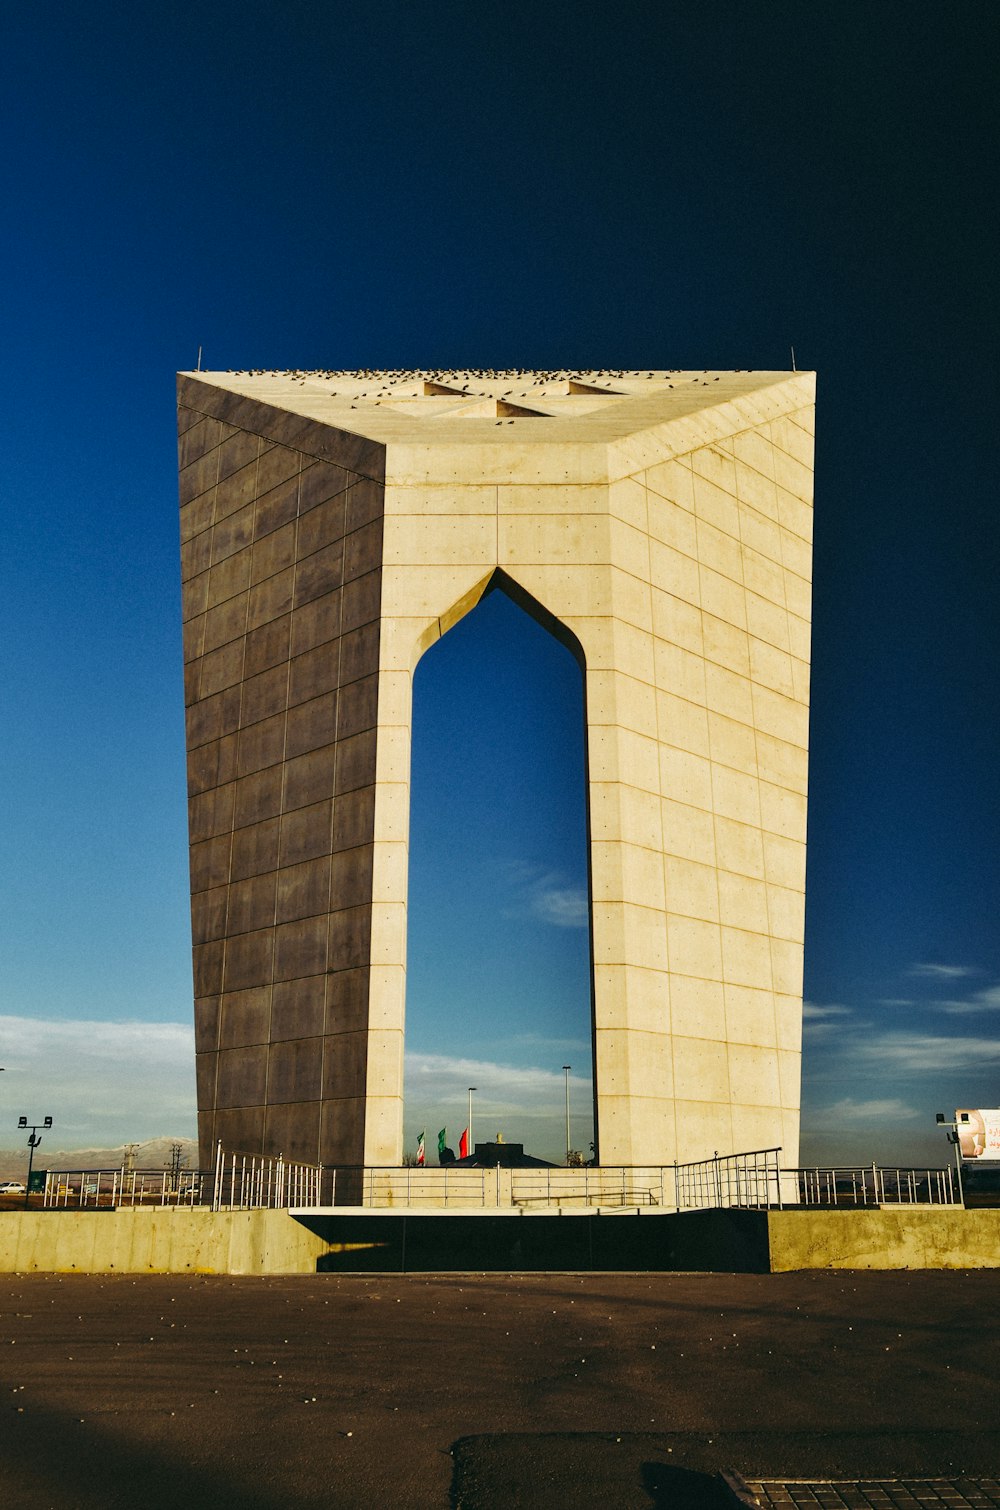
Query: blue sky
x=640, y=186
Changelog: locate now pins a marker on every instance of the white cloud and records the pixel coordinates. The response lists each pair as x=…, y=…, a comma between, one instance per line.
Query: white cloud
x=546, y=897
x=942, y=972
x=922, y=1053
x=563, y=906
x=981, y=1001
x=848, y=1110
x=813, y=1012
x=102, y=1082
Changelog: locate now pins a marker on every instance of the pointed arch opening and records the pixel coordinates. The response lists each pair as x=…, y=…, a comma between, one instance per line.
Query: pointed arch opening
x=499, y=992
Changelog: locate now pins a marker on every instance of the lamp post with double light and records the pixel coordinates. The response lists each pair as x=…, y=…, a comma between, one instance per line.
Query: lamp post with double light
x=34, y=1138
x=953, y=1137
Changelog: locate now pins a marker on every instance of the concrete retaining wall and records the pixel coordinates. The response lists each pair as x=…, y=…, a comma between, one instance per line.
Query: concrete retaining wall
x=160, y=1241
x=170, y=1241
x=906, y=1238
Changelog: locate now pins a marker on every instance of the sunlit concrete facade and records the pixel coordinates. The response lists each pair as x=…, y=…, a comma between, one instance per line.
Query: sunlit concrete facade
x=334, y=525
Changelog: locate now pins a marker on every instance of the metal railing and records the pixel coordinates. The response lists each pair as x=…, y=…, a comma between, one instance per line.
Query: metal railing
x=239, y=1182
x=242, y=1181
x=749, y=1180
x=82, y=1188
x=875, y=1185
x=745, y=1181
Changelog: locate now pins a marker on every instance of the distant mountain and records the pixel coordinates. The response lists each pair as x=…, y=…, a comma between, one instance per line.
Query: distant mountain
x=154, y=1153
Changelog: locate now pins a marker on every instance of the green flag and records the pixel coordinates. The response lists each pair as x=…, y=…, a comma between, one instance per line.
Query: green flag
x=442, y=1141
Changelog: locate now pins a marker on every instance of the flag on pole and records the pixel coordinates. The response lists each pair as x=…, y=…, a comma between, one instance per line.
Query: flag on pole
x=463, y=1145
x=442, y=1141
x=421, y=1157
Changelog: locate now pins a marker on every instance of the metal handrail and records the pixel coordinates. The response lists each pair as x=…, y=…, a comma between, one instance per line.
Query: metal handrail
x=874, y=1185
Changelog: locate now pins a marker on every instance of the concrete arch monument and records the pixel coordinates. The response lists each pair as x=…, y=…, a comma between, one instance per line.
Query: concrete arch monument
x=336, y=524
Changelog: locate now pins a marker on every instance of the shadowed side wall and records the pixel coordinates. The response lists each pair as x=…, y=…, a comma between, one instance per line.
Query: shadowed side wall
x=281, y=525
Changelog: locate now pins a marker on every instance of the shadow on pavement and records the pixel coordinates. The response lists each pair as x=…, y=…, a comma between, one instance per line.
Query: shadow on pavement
x=51, y=1458
x=585, y=1470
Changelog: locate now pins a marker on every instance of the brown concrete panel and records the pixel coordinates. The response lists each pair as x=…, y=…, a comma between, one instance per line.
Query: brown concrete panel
x=358, y=706
x=300, y=948
x=309, y=778
x=273, y=553
x=354, y=818
x=293, y=1130
x=235, y=491
x=311, y=725
x=345, y=1061
x=238, y=1128
x=242, y=1076
x=271, y=598
x=350, y=938
x=255, y=849
x=298, y=1008
x=351, y=877
x=244, y=1017
x=358, y=652
x=224, y=623
x=295, y=1071
x=313, y=672
x=318, y=574
x=207, y=1016
x=261, y=745
x=342, y=1131
x=276, y=508
x=303, y=890
x=322, y=525
x=276, y=464
x=321, y=481
x=306, y=832
x=237, y=451
x=207, y=960
x=347, y=1000
x=316, y=623
x=265, y=692
x=210, y=863
x=267, y=646
x=258, y=796
x=208, y=914
x=355, y=762
x=251, y=903
x=248, y=960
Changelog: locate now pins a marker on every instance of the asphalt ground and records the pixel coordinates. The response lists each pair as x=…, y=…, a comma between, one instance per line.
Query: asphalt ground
x=484, y=1392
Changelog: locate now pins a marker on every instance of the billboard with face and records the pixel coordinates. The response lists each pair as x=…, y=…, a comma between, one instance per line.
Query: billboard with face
x=978, y=1133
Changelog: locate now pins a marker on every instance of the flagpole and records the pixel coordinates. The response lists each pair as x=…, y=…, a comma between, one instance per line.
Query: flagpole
x=566, y=1070
x=472, y=1144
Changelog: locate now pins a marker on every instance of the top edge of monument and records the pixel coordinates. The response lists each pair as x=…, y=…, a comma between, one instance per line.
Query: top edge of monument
x=431, y=407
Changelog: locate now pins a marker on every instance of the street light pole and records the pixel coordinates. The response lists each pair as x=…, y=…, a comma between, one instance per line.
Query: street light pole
x=953, y=1137
x=566, y=1070
x=34, y=1138
x=472, y=1144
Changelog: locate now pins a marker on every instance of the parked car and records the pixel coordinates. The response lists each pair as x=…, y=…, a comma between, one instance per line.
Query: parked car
x=11, y=1187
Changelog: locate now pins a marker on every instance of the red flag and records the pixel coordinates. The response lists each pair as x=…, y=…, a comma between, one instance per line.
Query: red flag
x=463, y=1145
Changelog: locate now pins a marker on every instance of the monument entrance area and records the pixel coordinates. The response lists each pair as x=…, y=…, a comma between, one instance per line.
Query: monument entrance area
x=334, y=525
